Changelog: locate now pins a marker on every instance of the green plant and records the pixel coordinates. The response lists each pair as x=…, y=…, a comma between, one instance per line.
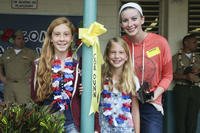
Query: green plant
x=30, y=118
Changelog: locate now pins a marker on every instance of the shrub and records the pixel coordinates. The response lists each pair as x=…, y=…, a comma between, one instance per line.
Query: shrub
x=29, y=118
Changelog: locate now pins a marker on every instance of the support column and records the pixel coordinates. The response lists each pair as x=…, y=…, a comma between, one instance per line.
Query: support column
x=87, y=121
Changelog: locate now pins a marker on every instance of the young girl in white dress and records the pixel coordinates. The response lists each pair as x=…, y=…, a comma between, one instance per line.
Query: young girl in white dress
x=119, y=111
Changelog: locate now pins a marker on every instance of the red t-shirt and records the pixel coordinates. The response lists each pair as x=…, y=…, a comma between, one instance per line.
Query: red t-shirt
x=157, y=61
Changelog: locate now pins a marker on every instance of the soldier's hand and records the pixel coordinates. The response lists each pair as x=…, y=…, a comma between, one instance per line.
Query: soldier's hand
x=192, y=77
x=195, y=70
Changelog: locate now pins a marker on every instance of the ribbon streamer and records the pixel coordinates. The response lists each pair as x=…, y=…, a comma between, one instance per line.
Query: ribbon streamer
x=89, y=37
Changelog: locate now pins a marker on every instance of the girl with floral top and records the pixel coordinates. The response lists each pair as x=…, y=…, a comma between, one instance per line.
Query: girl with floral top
x=119, y=110
x=56, y=74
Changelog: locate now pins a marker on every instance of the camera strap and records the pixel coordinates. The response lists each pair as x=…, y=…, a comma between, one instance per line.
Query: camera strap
x=133, y=59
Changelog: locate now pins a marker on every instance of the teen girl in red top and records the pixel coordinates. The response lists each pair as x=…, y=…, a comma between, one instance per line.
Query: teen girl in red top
x=57, y=74
x=153, y=64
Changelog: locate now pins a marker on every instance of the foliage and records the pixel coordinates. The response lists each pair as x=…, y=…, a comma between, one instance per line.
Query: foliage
x=29, y=118
x=6, y=35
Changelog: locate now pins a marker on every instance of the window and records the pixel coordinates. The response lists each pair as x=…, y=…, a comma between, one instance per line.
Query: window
x=194, y=18
x=151, y=9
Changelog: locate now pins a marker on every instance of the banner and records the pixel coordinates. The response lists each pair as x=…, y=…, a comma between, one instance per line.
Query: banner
x=33, y=26
x=89, y=37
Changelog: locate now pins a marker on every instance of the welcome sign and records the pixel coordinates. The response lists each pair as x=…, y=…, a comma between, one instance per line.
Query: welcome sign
x=33, y=26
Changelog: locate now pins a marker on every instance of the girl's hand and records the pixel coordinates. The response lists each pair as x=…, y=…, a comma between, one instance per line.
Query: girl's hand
x=158, y=92
x=80, y=89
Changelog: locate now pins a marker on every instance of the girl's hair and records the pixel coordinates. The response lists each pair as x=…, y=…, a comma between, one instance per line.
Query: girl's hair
x=126, y=83
x=43, y=79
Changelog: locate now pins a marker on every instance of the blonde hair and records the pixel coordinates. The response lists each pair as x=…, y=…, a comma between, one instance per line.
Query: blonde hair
x=44, y=71
x=126, y=83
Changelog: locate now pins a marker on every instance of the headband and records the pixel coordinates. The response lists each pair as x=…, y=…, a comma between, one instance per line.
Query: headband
x=133, y=5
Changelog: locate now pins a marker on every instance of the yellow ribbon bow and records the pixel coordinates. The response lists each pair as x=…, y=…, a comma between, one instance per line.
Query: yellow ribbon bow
x=89, y=37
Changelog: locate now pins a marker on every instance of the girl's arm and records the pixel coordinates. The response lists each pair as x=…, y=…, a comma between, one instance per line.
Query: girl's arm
x=136, y=114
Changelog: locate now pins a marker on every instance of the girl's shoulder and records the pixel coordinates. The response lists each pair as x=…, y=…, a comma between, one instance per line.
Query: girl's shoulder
x=76, y=58
x=36, y=61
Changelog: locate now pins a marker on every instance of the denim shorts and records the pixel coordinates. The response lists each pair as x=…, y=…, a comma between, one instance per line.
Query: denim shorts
x=71, y=128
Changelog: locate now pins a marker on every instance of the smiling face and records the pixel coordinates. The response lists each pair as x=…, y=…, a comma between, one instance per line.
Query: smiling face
x=61, y=38
x=131, y=21
x=117, y=56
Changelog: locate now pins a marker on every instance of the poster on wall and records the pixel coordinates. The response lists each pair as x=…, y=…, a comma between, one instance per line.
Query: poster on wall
x=33, y=26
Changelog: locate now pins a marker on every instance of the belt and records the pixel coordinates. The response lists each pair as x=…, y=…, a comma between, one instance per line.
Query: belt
x=189, y=84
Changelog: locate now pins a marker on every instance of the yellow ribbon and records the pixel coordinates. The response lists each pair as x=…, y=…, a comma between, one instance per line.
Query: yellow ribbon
x=89, y=37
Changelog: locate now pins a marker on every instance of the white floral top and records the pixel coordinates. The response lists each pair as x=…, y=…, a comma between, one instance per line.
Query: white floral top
x=115, y=108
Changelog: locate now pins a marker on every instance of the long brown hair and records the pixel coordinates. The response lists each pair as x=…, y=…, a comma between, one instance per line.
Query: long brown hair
x=43, y=78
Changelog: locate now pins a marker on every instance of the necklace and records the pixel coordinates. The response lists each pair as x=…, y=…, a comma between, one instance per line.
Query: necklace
x=62, y=83
x=193, y=59
x=115, y=113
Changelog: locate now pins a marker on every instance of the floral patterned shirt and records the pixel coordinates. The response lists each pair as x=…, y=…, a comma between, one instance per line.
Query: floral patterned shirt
x=115, y=109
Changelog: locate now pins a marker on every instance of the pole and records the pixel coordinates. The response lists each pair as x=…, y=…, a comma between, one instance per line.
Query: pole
x=87, y=121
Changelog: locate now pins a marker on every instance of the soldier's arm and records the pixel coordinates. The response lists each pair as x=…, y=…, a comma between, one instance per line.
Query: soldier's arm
x=2, y=76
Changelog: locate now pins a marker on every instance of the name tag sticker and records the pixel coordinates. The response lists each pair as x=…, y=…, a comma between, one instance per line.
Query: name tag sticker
x=152, y=52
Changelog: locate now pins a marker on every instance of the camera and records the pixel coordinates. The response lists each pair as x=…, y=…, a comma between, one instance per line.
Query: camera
x=144, y=94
